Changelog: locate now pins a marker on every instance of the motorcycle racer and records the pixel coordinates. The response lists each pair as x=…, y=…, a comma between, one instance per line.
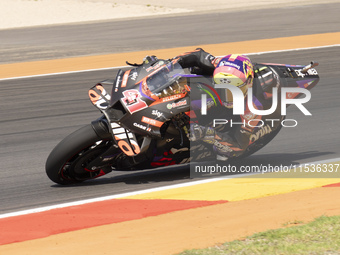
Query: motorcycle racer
x=154, y=105
x=238, y=71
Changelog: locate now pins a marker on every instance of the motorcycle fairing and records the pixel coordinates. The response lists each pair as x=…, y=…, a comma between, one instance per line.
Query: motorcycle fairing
x=293, y=76
x=134, y=92
x=125, y=139
x=99, y=97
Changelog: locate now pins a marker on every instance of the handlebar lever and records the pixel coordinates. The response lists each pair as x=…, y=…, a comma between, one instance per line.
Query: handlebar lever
x=311, y=65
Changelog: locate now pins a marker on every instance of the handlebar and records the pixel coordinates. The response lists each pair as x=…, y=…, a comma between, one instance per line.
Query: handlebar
x=311, y=65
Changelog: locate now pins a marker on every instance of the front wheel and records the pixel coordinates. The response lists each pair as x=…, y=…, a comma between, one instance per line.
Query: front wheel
x=67, y=162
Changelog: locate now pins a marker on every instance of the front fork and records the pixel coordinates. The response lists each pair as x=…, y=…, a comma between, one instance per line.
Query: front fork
x=114, y=153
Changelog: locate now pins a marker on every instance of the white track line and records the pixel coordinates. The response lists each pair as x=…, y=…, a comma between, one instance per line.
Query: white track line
x=297, y=49
x=120, y=67
x=105, y=198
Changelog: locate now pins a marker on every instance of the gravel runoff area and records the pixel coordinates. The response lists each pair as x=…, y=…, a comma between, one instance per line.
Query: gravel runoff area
x=27, y=13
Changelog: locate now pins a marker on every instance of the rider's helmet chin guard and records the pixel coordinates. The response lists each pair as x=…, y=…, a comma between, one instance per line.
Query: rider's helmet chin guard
x=236, y=70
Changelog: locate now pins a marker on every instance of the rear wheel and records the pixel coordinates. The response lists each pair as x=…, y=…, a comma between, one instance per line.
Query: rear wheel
x=67, y=163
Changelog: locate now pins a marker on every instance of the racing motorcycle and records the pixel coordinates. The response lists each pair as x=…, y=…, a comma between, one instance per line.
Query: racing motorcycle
x=144, y=122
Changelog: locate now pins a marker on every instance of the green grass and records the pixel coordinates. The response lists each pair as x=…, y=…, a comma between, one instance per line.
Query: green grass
x=321, y=236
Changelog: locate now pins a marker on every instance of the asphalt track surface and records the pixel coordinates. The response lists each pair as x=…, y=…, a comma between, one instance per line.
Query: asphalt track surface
x=36, y=113
x=166, y=32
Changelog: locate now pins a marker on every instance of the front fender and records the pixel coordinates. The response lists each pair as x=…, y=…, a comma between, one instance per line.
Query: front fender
x=101, y=127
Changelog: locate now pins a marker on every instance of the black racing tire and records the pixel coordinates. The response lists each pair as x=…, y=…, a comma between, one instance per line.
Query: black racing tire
x=67, y=162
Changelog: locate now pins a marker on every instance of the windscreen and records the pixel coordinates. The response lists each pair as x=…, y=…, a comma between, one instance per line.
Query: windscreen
x=167, y=81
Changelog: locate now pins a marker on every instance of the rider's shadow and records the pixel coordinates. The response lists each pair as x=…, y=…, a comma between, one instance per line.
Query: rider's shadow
x=182, y=172
x=284, y=158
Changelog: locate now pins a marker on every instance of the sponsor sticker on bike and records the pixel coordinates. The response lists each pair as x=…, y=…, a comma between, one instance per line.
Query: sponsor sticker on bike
x=132, y=100
x=152, y=122
x=176, y=105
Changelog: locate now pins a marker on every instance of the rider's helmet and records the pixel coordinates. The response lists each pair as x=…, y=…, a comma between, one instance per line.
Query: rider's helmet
x=236, y=70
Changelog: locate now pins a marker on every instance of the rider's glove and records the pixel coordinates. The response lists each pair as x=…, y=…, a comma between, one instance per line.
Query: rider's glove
x=205, y=134
x=196, y=70
x=195, y=132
